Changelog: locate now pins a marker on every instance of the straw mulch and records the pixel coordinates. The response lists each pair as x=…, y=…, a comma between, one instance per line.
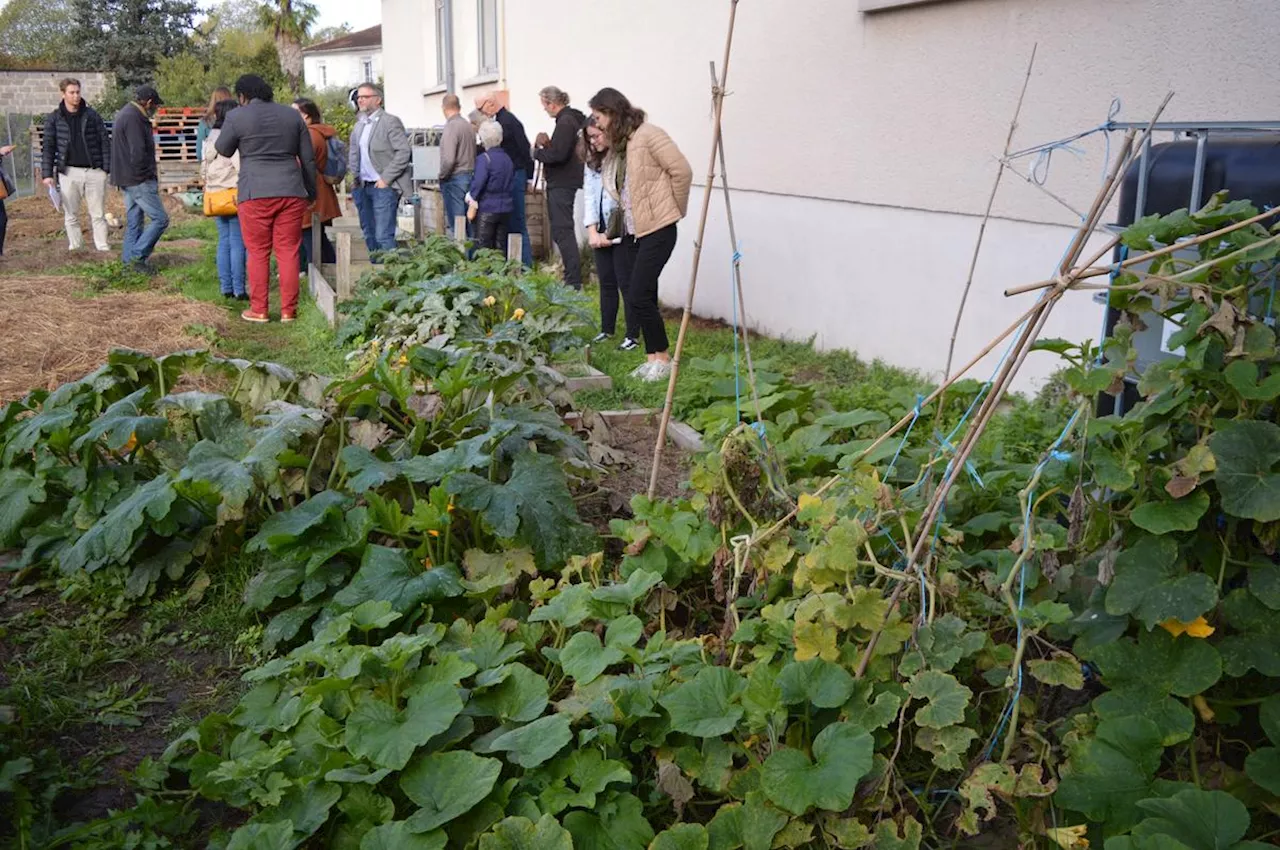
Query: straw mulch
x=51, y=334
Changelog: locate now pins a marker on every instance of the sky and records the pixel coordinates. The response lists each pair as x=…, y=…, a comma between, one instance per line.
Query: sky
x=360, y=14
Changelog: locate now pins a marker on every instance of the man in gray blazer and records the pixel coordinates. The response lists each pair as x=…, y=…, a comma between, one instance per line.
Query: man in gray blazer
x=378, y=161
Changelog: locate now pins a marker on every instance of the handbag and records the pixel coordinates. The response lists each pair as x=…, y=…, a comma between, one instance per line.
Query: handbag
x=6, y=185
x=220, y=202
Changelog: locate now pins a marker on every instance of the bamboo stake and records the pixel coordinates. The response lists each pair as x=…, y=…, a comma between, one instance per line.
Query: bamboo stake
x=986, y=217
x=718, y=96
x=1091, y=271
x=737, y=267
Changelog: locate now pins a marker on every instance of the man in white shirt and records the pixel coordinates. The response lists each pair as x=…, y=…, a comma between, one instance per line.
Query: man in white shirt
x=378, y=160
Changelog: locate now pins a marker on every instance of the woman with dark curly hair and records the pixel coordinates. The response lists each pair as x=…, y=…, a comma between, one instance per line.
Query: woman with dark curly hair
x=652, y=180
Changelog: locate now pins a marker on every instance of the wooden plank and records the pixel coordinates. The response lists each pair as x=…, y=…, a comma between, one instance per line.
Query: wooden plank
x=460, y=229
x=344, y=265
x=324, y=296
x=515, y=243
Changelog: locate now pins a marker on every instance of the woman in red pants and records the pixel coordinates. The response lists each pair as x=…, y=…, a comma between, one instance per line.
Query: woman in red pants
x=276, y=188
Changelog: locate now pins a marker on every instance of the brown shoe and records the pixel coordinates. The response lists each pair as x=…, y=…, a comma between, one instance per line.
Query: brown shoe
x=288, y=317
x=256, y=318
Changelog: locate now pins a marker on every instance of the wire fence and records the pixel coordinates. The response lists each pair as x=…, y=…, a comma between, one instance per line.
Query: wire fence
x=15, y=129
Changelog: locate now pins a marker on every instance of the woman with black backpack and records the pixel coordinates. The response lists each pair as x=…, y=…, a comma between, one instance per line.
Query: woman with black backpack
x=323, y=138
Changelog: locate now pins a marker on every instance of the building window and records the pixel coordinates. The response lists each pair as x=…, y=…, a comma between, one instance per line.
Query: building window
x=367, y=67
x=488, y=36
x=441, y=76
x=324, y=75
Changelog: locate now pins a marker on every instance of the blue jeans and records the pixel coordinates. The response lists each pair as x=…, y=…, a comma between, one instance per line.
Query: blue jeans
x=377, y=209
x=140, y=200
x=454, y=192
x=518, y=223
x=230, y=255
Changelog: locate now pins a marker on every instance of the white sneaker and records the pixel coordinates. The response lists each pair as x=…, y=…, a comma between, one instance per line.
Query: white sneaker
x=642, y=371
x=659, y=370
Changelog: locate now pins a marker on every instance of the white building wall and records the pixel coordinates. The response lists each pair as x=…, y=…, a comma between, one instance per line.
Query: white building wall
x=342, y=70
x=862, y=147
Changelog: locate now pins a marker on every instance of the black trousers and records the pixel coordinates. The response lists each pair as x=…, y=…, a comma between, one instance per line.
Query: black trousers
x=4, y=225
x=643, y=264
x=560, y=208
x=328, y=254
x=491, y=230
x=608, y=261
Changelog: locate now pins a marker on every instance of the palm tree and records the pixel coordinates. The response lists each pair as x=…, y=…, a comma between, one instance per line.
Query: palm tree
x=289, y=22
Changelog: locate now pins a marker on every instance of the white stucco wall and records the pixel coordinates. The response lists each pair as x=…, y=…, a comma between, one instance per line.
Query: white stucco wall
x=342, y=69
x=862, y=145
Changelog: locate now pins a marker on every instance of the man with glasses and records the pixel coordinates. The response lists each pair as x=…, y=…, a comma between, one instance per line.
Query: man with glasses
x=378, y=160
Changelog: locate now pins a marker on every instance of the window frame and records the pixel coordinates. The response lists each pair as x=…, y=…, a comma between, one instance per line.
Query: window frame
x=323, y=68
x=483, y=22
x=366, y=69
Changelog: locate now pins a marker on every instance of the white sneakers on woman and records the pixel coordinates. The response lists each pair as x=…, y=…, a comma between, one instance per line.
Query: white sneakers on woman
x=653, y=370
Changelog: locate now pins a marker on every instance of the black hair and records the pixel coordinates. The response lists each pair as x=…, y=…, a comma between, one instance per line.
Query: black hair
x=595, y=158
x=308, y=107
x=220, y=110
x=253, y=87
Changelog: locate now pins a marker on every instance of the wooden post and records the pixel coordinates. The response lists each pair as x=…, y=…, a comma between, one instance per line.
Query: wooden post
x=718, y=94
x=344, y=264
x=316, y=234
x=460, y=229
x=515, y=245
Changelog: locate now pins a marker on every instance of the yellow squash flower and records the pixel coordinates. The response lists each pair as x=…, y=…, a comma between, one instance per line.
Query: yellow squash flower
x=490, y=301
x=518, y=314
x=1197, y=628
x=1069, y=837
x=434, y=533
x=131, y=444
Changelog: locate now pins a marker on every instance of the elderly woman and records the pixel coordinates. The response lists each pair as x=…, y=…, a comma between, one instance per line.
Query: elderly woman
x=652, y=179
x=489, y=200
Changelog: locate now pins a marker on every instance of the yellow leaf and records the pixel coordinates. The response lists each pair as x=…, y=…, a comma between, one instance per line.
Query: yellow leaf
x=131, y=444
x=816, y=640
x=1069, y=837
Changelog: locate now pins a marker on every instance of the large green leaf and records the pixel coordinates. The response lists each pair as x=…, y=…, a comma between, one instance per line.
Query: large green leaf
x=445, y=785
x=400, y=835
x=946, y=698
x=1202, y=820
x=387, y=737
x=1247, y=453
x=1165, y=515
x=707, y=706
x=392, y=575
x=1153, y=584
x=750, y=825
x=291, y=527
x=1113, y=772
x=308, y=806
x=823, y=683
x=523, y=834
x=1263, y=767
x=1255, y=641
x=841, y=757
x=682, y=836
x=485, y=571
x=111, y=539
x=124, y=421
x=534, y=743
x=635, y=588
x=365, y=470
x=520, y=697
x=263, y=836
x=533, y=506
x=585, y=658
x=20, y=495
x=232, y=483
x=1145, y=675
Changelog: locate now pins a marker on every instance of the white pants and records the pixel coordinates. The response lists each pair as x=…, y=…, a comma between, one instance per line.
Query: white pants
x=88, y=184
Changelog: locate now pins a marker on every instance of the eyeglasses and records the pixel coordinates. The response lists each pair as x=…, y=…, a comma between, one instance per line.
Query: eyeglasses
x=365, y=96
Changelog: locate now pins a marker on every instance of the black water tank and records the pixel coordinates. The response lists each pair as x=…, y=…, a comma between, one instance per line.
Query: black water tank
x=1246, y=166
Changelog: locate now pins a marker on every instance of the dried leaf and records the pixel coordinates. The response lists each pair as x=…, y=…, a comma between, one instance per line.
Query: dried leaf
x=425, y=406
x=635, y=547
x=718, y=563
x=1181, y=485
x=1075, y=515
x=369, y=435
x=1107, y=564
x=1223, y=321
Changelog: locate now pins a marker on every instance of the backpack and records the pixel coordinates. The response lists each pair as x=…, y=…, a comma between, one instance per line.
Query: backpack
x=335, y=168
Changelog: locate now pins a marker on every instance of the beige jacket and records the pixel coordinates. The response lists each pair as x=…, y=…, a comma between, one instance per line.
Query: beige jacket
x=658, y=180
x=219, y=172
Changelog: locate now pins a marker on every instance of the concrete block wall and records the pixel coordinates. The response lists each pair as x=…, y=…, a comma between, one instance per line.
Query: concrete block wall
x=36, y=92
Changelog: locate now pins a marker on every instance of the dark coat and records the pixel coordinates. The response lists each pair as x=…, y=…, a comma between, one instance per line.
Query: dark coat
x=133, y=147
x=57, y=140
x=493, y=180
x=276, y=157
x=563, y=168
x=515, y=142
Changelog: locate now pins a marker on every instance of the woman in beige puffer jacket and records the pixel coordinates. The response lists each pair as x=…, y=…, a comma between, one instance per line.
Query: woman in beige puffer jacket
x=650, y=178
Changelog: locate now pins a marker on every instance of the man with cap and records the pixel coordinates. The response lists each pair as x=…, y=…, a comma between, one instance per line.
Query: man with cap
x=133, y=169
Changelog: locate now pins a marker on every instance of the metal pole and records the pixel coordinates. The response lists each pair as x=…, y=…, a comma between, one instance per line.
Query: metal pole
x=697, y=256
x=446, y=7
x=1144, y=175
x=1197, y=179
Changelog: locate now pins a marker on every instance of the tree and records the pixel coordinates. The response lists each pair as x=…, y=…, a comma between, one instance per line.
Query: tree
x=35, y=32
x=289, y=22
x=324, y=34
x=128, y=37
